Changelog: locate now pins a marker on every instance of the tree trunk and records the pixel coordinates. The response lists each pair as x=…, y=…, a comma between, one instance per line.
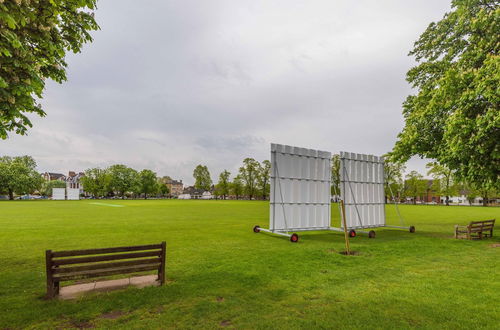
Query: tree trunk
x=447, y=200
x=11, y=194
x=485, y=200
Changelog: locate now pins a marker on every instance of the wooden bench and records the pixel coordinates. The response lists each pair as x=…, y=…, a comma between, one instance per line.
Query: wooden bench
x=476, y=229
x=70, y=265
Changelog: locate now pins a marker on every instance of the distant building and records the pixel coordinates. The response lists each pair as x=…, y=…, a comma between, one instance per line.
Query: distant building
x=175, y=187
x=49, y=176
x=73, y=180
x=193, y=192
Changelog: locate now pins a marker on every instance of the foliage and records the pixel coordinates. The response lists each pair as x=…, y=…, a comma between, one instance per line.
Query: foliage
x=237, y=187
x=122, y=179
x=146, y=183
x=222, y=187
x=445, y=178
x=202, y=178
x=393, y=177
x=162, y=188
x=249, y=174
x=96, y=181
x=415, y=185
x=455, y=115
x=35, y=36
x=263, y=178
x=47, y=186
x=18, y=175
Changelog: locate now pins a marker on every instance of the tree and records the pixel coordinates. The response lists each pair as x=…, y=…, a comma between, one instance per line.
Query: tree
x=96, y=181
x=335, y=189
x=454, y=117
x=222, y=188
x=18, y=175
x=237, y=187
x=249, y=173
x=263, y=178
x=393, y=178
x=162, y=188
x=122, y=179
x=35, y=36
x=47, y=186
x=202, y=178
x=444, y=176
x=415, y=185
x=146, y=183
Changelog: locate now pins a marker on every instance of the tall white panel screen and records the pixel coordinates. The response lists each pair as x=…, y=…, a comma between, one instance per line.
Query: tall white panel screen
x=300, y=188
x=73, y=193
x=362, y=189
x=58, y=193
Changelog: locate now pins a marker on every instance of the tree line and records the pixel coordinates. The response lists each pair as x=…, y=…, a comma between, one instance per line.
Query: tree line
x=252, y=180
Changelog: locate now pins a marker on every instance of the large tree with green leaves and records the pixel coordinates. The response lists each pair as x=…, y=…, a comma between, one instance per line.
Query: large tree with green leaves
x=263, y=179
x=454, y=116
x=96, y=181
x=249, y=174
x=147, y=183
x=202, y=179
x=237, y=187
x=224, y=184
x=122, y=179
x=393, y=179
x=415, y=185
x=445, y=177
x=34, y=38
x=18, y=175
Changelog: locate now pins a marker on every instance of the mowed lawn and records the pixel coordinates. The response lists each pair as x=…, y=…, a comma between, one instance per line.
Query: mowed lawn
x=221, y=274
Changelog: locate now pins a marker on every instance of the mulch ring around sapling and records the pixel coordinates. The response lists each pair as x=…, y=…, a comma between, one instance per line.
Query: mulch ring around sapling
x=351, y=253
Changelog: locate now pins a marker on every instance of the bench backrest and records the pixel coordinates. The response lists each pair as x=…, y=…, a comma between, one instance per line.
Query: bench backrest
x=76, y=264
x=482, y=225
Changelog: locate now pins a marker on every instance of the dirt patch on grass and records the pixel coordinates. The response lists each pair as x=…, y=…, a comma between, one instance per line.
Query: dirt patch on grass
x=112, y=315
x=81, y=325
x=351, y=253
x=225, y=323
x=220, y=299
x=494, y=245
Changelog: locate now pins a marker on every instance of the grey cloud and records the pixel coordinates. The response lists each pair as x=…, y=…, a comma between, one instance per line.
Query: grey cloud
x=170, y=84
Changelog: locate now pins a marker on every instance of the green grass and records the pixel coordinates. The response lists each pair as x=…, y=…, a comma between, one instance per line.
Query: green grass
x=400, y=280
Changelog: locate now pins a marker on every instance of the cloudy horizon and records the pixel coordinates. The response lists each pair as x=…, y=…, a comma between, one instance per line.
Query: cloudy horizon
x=170, y=85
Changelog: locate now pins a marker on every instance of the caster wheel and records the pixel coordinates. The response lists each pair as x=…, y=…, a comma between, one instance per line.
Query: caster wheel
x=352, y=233
x=371, y=234
x=412, y=229
x=294, y=238
x=256, y=229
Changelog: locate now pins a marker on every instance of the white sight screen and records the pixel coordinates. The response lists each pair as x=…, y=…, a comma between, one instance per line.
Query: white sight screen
x=362, y=189
x=58, y=193
x=300, y=188
x=73, y=193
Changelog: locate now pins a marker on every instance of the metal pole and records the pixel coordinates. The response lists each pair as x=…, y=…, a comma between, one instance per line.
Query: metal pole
x=352, y=194
x=346, y=236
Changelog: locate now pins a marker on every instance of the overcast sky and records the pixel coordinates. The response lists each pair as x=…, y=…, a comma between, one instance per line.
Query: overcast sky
x=167, y=85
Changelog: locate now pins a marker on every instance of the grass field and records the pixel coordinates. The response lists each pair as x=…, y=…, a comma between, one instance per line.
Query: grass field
x=221, y=274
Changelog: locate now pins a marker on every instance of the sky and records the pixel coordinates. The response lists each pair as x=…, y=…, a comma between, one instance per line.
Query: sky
x=168, y=85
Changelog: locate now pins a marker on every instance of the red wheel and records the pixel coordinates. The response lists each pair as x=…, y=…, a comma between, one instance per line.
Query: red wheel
x=294, y=238
x=371, y=234
x=412, y=229
x=352, y=233
x=256, y=229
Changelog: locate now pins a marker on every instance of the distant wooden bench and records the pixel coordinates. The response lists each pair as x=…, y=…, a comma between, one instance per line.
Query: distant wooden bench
x=476, y=229
x=63, y=266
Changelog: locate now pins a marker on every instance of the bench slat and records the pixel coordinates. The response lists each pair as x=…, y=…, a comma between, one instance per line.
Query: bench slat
x=63, y=270
x=107, y=272
x=60, y=262
x=73, y=253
